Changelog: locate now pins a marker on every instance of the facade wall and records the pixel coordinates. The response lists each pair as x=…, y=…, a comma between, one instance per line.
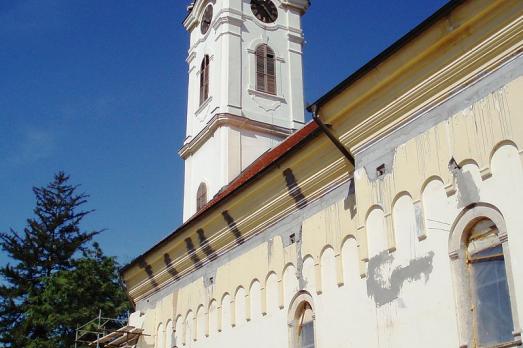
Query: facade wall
x=391, y=286
x=377, y=248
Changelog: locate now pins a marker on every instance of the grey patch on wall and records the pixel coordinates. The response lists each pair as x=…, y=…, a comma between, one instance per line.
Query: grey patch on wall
x=468, y=192
x=420, y=219
x=299, y=261
x=209, y=278
x=383, y=289
x=386, y=159
x=350, y=201
x=286, y=236
x=383, y=151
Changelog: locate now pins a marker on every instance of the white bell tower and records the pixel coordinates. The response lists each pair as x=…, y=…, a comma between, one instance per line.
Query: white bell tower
x=245, y=88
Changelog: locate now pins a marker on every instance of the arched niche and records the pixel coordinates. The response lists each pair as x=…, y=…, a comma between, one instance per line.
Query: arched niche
x=377, y=239
x=255, y=300
x=328, y=270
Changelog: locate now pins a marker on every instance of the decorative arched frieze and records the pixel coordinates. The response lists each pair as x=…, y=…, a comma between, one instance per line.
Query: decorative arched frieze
x=225, y=312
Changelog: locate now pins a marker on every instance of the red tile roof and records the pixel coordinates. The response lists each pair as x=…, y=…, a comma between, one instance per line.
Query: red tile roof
x=263, y=163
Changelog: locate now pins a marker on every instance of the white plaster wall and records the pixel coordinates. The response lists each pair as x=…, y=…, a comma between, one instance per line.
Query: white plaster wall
x=206, y=165
x=407, y=297
x=253, y=145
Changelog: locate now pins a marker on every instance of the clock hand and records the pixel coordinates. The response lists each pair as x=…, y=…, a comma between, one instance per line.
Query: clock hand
x=267, y=10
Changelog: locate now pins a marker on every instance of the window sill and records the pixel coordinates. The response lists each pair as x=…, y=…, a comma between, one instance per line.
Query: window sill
x=204, y=104
x=266, y=95
x=515, y=343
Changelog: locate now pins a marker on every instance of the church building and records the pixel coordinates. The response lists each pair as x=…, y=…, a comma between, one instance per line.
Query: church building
x=393, y=219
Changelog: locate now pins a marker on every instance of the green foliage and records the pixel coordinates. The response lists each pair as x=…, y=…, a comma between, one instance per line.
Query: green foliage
x=59, y=277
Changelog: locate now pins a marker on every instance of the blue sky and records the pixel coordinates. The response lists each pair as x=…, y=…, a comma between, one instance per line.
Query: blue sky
x=97, y=88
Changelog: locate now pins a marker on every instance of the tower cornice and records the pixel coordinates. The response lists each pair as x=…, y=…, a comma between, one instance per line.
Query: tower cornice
x=225, y=119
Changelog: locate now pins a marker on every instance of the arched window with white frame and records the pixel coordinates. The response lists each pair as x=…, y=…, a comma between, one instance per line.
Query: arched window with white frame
x=301, y=321
x=481, y=265
x=265, y=69
x=201, y=196
x=204, y=79
x=489, y=287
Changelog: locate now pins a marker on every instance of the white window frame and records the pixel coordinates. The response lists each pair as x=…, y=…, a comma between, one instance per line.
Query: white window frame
x=461, y=275
x=293, y=314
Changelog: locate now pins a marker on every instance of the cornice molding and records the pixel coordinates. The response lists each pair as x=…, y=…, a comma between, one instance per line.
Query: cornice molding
x=272, y=210
x=472, y=66
x=224, y=119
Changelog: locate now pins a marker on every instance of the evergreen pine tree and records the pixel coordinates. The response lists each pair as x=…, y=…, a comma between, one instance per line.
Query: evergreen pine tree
x=59, y=277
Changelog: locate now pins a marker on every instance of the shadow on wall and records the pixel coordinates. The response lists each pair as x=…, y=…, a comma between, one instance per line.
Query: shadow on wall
x=383, y=289
x=149, y=270
x=168, y=261
x=350, y=200
x=192, y=252
x=204, y=244
x=294, y=189
x=232, y=227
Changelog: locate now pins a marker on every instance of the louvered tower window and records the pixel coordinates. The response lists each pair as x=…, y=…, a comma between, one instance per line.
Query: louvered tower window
x=204, y=80
x=265, y=70
x=201, y=196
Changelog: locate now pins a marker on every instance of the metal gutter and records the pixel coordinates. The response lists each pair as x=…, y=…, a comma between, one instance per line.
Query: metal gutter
x=326, y=129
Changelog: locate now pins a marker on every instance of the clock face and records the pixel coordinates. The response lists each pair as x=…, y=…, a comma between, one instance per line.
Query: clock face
x=264, y=10
x=206, y=19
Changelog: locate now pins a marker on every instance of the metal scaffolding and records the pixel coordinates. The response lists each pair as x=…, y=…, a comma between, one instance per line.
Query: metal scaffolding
x=107, y=332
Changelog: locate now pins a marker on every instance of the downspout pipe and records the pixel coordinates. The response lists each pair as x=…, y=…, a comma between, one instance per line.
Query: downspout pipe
x=326, y=129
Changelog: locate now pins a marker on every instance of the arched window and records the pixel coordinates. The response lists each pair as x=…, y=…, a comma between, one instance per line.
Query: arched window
x=480, y=260
x=265, y=70
x=201, y=196
x=305, y=327
x=204, y=80
x=301, y=321
x=490, y=305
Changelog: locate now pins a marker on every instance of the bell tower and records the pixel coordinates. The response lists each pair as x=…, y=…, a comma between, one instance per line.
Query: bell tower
x=245, y=88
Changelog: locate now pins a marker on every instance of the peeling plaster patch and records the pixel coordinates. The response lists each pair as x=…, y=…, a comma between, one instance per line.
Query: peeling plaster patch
x=386, y=160
x=468, y=192
x=383, y=289
x=294, y=189
x=270, y=244
x=286, y=235
x=420, y=220
x=149, y=270
x=381, y=151
x=232, y=226
x=299, y=260
x=350, y=201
